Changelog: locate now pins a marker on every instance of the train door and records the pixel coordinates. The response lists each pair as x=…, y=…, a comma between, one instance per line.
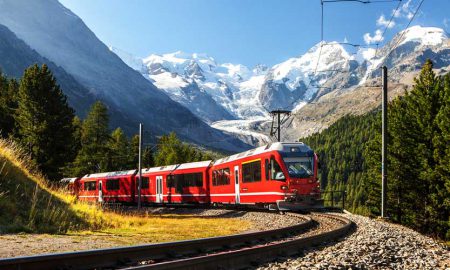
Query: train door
x=100, y=191
x=236, y=184
x=159, y=192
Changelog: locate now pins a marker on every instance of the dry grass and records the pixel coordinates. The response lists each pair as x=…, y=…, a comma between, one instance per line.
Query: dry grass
x=29, y=204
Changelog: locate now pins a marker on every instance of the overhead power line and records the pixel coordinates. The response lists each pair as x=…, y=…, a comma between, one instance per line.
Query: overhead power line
x=348, y=44
x=387, y=26
x=361, y=1
x=404, y=30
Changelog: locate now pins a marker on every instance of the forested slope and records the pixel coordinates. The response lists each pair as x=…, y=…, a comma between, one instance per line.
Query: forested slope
x=418, y=157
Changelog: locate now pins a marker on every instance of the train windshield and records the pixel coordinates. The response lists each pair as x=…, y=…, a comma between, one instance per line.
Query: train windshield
x=299, y=167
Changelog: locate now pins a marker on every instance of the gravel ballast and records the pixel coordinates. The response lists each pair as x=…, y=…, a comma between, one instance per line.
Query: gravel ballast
x=375, y=244
x=14, y=245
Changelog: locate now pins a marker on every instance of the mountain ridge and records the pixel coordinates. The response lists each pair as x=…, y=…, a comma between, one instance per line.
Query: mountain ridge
x=64, y=39
x=296, y=82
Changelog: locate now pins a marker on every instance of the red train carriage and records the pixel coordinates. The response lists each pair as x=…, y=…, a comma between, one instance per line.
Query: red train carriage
x=181, y=183
x=71, y=185
x=108, y=187
x=280, y=173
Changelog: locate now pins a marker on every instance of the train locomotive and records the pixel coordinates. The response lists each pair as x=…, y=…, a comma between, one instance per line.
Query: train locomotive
x=279, y=176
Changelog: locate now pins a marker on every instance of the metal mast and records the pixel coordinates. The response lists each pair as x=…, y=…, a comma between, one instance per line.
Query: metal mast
x=280, y=121
x=384, y=104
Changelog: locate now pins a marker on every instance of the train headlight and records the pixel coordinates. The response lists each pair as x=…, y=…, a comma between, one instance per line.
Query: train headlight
x=284, y=187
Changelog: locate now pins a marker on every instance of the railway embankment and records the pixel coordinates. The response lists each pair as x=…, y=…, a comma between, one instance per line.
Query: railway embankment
x=375, y=244
x=32, y=244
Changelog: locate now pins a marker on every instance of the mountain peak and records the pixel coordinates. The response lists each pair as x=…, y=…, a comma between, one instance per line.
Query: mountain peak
x=429, y=36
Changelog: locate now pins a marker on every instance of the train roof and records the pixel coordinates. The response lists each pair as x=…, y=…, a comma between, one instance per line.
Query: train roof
x=182, y=166
x=286, y=148
x=109, y=174
x=68, y=180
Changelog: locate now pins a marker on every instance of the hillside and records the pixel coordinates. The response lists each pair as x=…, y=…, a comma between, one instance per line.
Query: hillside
x=28, y=205
x=418, y=169
x=63, y=38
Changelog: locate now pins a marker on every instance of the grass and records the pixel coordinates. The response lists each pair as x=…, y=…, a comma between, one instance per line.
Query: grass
x=28, y=204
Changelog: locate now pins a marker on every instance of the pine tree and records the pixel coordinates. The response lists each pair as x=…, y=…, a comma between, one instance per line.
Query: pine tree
x=44, y=120
x=441, y=143
x=8, y=104
x=170, y=150
x=94, y=153
x=173, y=151
x=147, y=154
x=424, y=103
x=120, y=150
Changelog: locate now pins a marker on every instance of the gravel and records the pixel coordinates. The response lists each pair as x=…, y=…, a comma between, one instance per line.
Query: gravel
x=29, y=244
x=375, y=244
x=260, y=220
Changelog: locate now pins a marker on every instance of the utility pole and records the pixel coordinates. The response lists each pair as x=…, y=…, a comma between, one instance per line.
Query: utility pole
x=280, y=121
x=384, y=104
x=141, y=127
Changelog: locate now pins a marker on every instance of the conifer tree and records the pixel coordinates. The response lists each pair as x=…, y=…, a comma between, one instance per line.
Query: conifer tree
x=441, y=141
x=94, y=153
x=8, y=104
x=120, y=151
x=44, y=120
x=147, y=154
x=170, y=150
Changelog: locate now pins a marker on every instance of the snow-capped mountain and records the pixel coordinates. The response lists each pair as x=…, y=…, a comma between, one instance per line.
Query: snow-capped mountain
x=409, y=49
x=212, y=91
x=234, y=97
x=298, y=80
x=404, y=56
x=60, y=36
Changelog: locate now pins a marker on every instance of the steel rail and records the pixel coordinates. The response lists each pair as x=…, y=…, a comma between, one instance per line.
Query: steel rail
x=253, y=256
x=126, y=256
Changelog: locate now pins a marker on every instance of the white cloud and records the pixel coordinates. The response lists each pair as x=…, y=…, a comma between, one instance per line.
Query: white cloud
x=377, y=37
x=446, y=22
x=397, y=13
x=405, y=11
x=409, y=15
x=383, y=22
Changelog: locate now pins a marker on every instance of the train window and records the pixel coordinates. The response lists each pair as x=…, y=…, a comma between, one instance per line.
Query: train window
x=170, y=181
x=251, y=172
x=180, y=181
x=112, y=184
x=221, y=177
x=300, y=167
x=226, y=176
x=145, y=184
x=91, y=185
x=214, y=177
x=276, y=172
x=267, y=169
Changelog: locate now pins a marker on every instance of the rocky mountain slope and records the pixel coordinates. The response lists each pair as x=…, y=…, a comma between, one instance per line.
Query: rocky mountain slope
x=404, y=56
x=212, y=91
x=58, y=35
x=318, y=90
x=16, y=56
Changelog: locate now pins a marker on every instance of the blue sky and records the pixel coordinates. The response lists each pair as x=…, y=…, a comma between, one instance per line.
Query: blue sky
x=249, y=32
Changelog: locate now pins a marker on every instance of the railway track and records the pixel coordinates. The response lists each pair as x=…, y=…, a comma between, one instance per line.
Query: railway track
x=226, y=252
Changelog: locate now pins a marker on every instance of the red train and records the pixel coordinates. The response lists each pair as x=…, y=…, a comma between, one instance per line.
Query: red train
x=278, y=175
